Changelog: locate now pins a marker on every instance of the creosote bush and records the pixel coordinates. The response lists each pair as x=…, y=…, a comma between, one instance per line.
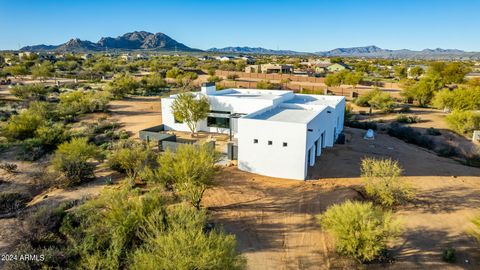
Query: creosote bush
x=383, y=183
x=360, y=230
x=72, y=160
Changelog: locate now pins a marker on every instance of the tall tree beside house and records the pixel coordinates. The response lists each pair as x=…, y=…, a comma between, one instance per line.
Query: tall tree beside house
x=189, y=109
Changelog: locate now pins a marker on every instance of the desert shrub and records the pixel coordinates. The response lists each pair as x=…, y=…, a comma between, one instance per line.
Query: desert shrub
x=23, y=125
x=376, y=99
x=214, y=79
x=448, y=255
x=8, y=167
x=232, y=77
x=458, y=99
x=12, y=201
x=409, y=135
x=267, y=85
x=360, y=230
x=71, y=159
x=30, y=91
x=446, y=150
x=40, y=237
x=122, y=85
x=410, y=119
x=51, y=134
x=463, y=122
x=382, y=101
x=31, y=149
x=183, y=243
x=80, y=102
x=104, y=230
x=362, y=125
x=382, y=183
x=153, y=83
x=405, y=109
x=130, y=157
x=188, y=172
x=433, y=131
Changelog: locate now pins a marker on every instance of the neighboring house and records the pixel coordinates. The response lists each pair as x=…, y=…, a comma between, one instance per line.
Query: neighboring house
x=225, y=58
x=205, y=58
x=250, y=60
x=338, y=67
x=87, y=56
x=269, y=69
x=321, y=68
x=22, y=55
x=279, y=133
x=126, y=57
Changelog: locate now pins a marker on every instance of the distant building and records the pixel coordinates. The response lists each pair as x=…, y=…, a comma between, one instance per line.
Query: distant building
x=127, y=57
x=22, y=55
x=321, y=68
x=205, y=58
x=87, y=56
x=141, y=56
x=338, y=67
x=225, y=58
x=269, y=69
x=250, y=60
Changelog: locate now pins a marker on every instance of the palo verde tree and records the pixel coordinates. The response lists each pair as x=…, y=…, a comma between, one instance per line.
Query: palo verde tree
x=360, y=229
x=188, y=172
x=190, y=109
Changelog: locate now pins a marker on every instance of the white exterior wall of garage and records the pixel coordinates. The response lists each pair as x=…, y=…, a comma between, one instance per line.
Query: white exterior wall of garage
x=279, y=133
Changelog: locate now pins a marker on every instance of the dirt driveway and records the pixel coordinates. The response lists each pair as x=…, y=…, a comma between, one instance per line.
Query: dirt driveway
x=274, y=219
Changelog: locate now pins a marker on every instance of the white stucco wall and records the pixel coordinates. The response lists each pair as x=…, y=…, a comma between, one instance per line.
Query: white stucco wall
x=272, y=160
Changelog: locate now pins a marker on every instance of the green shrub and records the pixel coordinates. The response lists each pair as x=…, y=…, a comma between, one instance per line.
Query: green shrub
x=267, y=85
x=32, y=149
x=410, y=119
x=360, y=230
x=382, y=182
x=433, y=132
x=448, y=255
x=122, y=85
x=463, y=122
x=183, y=243
x=30, y=91
x=80, y=102
x=232, y=77
x=23, y=125
x=409, y=135
x=12, y=201
x=362, y=125
x=104, y=231
x=130, y=157
x=188, y=172
x=214, y=79
x=71, y=159
x=376, y=99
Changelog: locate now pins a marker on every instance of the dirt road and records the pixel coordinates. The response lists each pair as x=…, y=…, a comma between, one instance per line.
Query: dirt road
x=274, y=219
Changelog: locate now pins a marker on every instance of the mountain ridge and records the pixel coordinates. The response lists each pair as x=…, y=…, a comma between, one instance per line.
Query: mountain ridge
x=137, y=40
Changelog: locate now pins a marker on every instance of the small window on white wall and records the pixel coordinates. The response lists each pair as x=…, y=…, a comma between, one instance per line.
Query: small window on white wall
x=270, y=142
x=255, y=140
x=285, y=144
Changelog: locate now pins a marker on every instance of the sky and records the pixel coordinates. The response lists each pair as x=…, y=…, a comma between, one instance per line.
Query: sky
x=299, y=25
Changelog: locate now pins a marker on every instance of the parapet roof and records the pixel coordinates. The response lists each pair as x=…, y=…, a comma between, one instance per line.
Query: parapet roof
x=290, y=114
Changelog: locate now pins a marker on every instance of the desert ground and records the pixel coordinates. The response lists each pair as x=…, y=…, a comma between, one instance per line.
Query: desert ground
x=275, y=221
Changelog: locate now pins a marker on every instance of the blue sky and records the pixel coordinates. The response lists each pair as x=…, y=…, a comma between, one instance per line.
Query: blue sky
x=297, y=25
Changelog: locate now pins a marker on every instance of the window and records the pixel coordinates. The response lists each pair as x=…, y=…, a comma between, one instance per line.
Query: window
x=255, y=140
x=285, y=144
x=270, y=142
x=221, y=112
x=219, y=122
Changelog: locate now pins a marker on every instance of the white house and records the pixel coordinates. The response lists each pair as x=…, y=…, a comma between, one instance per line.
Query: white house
x=279, y=133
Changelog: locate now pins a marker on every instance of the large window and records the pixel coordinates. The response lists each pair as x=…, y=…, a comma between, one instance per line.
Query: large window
x=219, y=122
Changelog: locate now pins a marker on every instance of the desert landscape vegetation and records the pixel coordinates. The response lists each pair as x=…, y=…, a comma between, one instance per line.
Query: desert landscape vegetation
x=79, y=188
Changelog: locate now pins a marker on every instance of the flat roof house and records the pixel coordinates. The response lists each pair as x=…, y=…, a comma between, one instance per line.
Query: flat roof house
x=279, y=133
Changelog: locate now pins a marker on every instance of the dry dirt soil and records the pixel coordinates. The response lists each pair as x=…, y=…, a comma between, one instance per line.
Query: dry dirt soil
x=274, y=219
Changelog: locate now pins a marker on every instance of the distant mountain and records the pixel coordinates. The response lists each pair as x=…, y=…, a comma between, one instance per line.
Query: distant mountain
x=252, y=50
x=376, y=52
x=138, y=40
